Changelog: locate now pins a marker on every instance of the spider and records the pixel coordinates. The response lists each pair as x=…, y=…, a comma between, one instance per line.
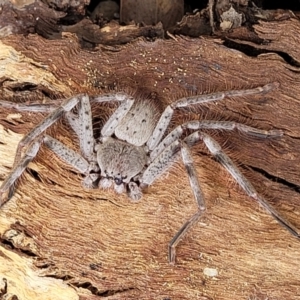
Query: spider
x=134, y=149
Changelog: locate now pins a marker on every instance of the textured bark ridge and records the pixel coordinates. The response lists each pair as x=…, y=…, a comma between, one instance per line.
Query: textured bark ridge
x=59, y=241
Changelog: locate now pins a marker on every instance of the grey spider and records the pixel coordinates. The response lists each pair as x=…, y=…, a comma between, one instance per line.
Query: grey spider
x=134, y=149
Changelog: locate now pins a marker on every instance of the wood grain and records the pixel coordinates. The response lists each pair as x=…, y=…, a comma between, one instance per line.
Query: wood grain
x=101, y=244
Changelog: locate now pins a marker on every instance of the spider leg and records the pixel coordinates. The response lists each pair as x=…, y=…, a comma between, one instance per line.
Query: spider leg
x=65, y=106
x=33, y=142
x=42, y=108
x=66, y=154
x=113, y=121
x=62, y=151
x=166, y=116
x=160, y=164
x=220, y=156
x=163, y=162
x=215, y=125
x=74, y=159
x=7, y=187
x=198, y=99
x=82, y=124
x=195, y=186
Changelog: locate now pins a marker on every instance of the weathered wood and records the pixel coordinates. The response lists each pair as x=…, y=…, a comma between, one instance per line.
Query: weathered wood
x=89, y=34
x=34, y=16
x=101, y=244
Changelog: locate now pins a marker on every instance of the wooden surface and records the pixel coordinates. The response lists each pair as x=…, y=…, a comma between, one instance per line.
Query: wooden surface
x=77, y=244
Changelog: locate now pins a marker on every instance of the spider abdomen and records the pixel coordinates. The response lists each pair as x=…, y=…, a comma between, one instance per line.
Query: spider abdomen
x=137, y=126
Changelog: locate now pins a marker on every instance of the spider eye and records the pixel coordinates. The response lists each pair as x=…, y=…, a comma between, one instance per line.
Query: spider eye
x=118, y=181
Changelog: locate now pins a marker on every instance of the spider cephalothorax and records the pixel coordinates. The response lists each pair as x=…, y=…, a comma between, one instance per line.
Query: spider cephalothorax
x=133, y=149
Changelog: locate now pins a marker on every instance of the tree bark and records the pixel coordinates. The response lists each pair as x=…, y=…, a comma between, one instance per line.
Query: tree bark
x=60, y=241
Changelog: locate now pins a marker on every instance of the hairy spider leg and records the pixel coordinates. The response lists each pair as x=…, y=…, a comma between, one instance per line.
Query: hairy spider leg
x=28, y=140
x=176, y=133
x=166, y=116
x=65, y=106
x=82, y=124
x=7, y=187
x=158, y=166
x=114, y=120
x=216, y=150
